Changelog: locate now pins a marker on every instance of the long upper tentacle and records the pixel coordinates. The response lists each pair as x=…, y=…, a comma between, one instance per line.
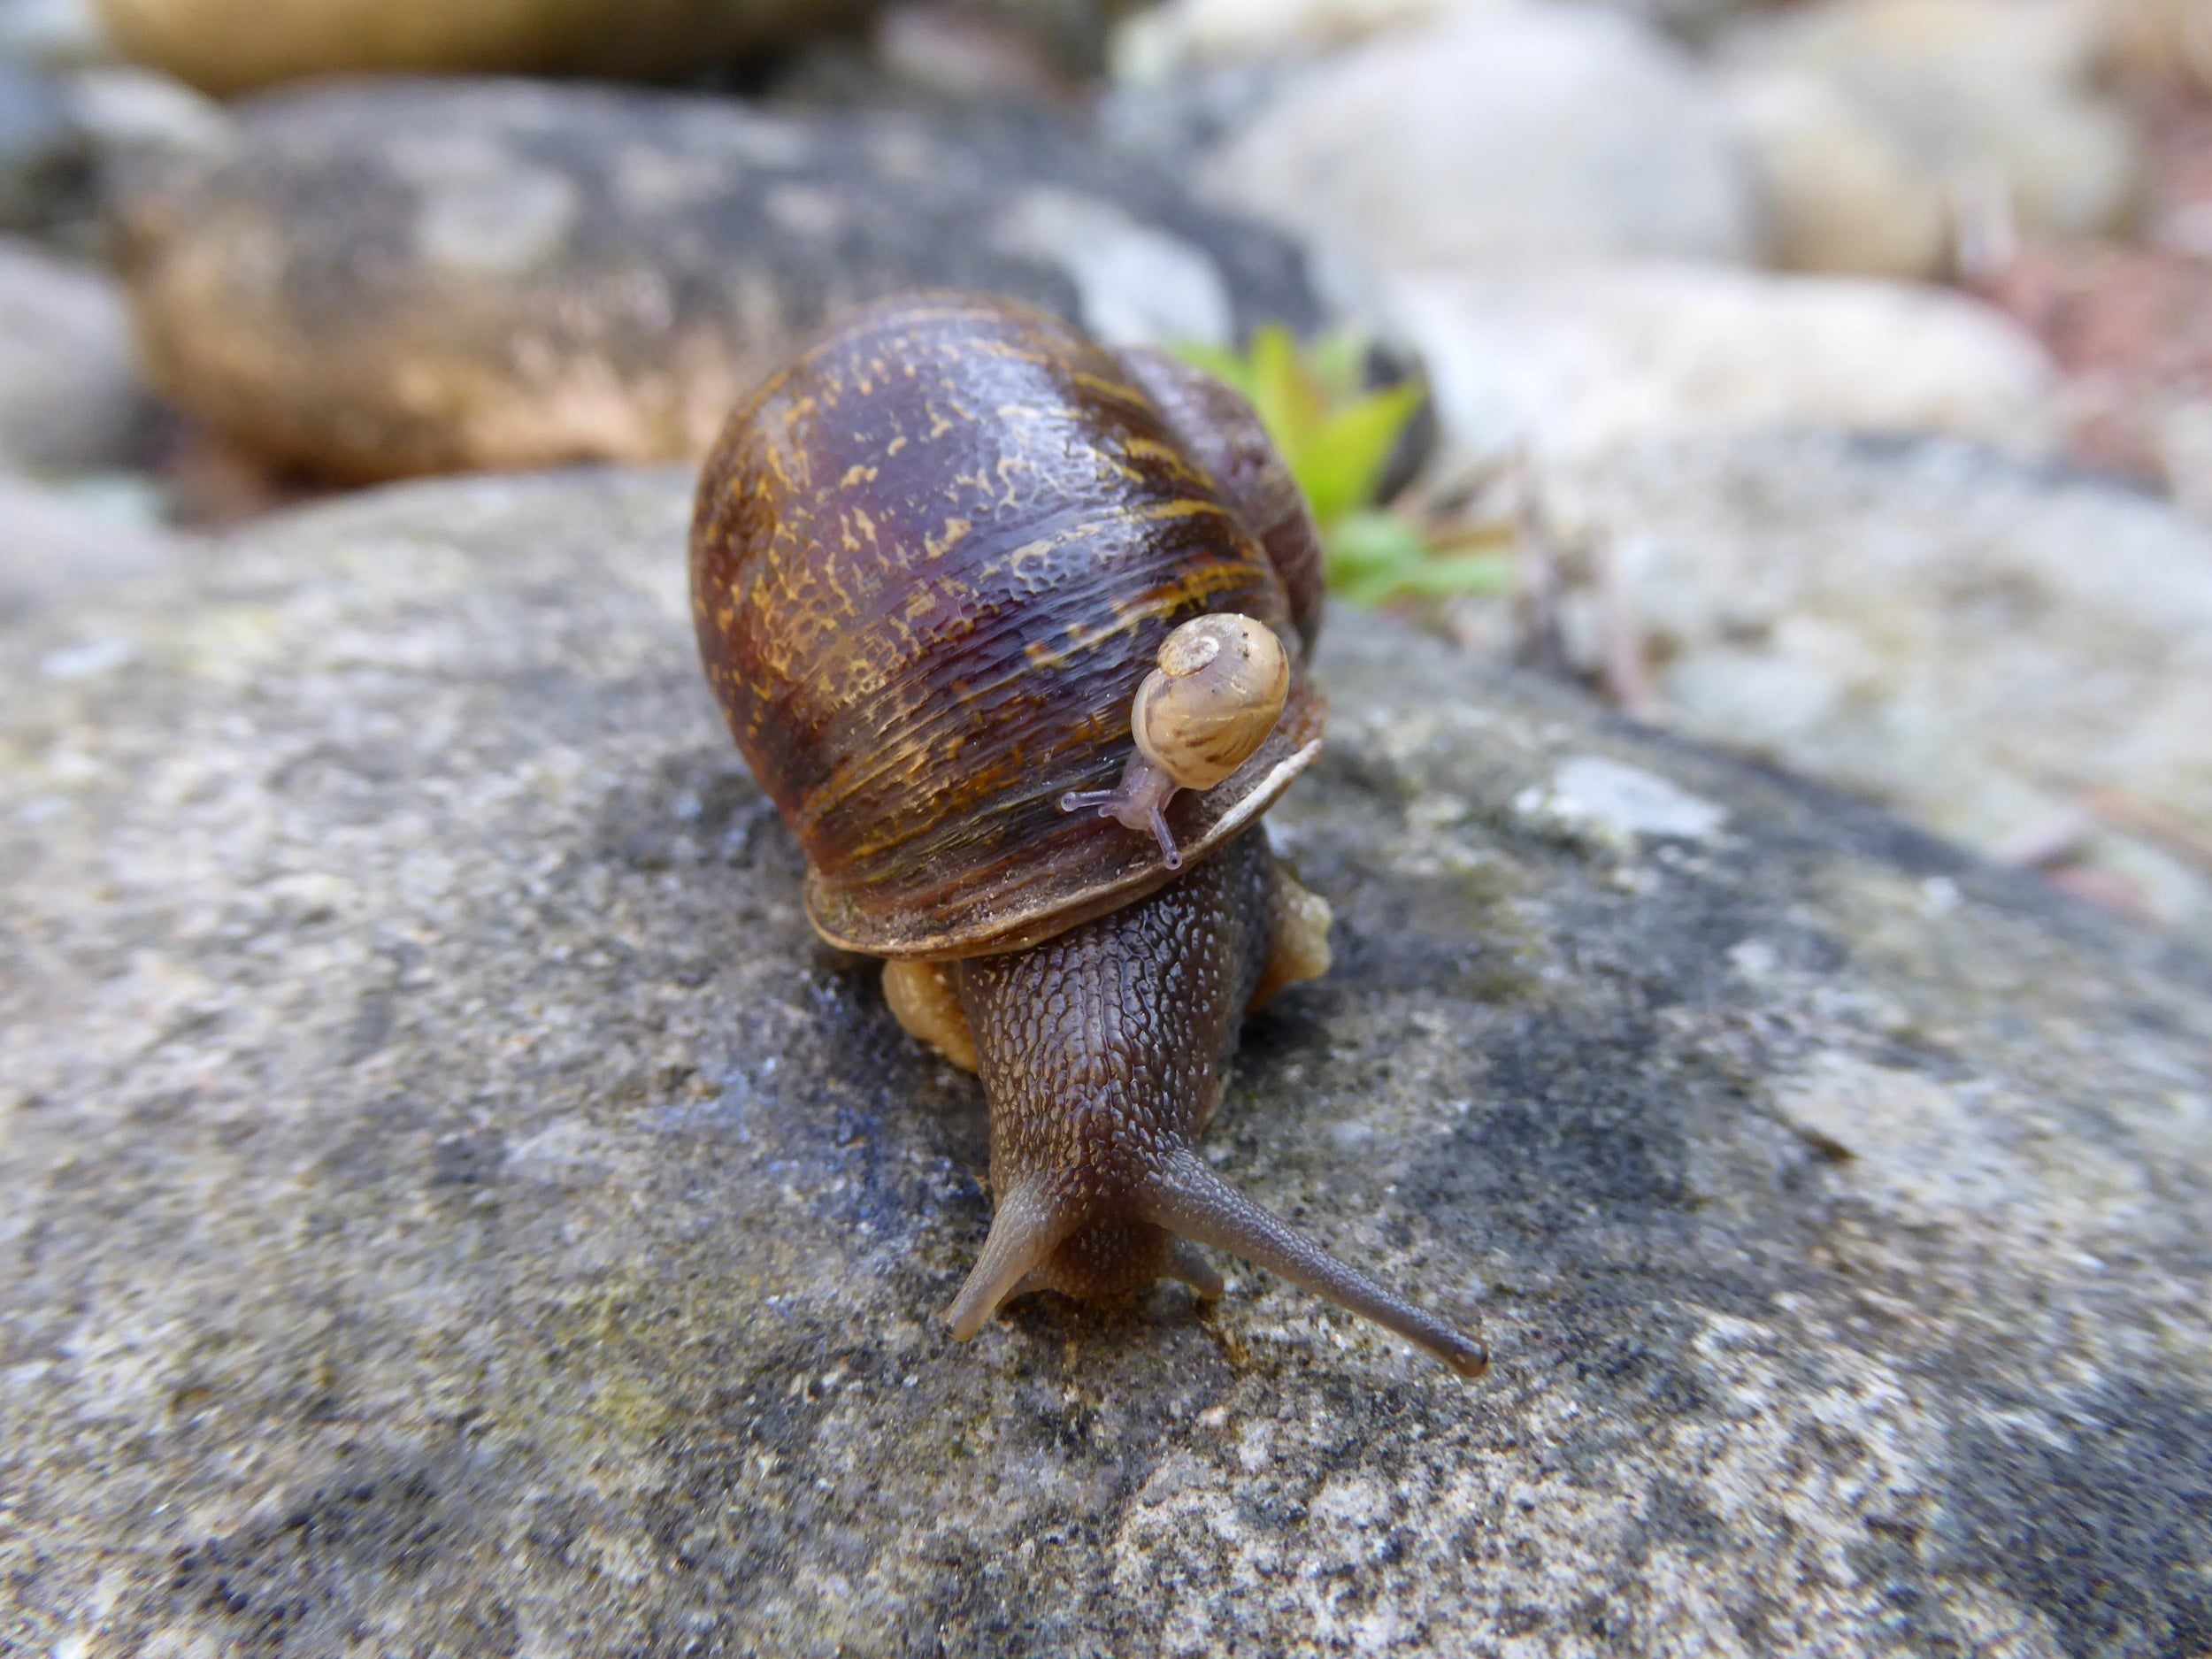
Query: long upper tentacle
x=1191, y=1200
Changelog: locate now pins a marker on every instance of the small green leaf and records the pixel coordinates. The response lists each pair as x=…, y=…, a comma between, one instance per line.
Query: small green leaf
x=1337, y=440
x=1369, y=544
x=1222, y=362
x=1374, y=557
x=1367, y=555
x=1336, y=361
x=1447, y=575
x=1288, y=403
x=1343, y=460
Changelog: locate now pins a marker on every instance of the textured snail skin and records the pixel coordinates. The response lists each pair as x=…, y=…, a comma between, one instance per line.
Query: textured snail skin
x=932, y=560
x=1103, y=1051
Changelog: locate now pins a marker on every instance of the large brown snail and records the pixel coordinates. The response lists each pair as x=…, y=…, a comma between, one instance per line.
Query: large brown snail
x=1015, y=632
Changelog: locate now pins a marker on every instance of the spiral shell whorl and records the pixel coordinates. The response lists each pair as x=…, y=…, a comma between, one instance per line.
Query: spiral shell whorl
x=1208, y=707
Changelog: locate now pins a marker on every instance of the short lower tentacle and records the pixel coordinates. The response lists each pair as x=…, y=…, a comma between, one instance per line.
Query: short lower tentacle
x=1024, y=1231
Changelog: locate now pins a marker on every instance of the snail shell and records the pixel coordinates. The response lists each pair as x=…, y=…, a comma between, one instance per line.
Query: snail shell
x=1208, y=707
x=938, y=552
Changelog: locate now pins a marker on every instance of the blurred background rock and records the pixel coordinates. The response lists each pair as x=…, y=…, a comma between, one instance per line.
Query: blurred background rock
x=264, y=251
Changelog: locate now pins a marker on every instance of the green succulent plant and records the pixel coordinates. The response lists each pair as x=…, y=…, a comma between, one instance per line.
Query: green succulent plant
x=1337, y=437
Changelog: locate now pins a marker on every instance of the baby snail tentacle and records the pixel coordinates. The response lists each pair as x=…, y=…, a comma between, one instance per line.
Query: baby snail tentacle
x=1203, y=712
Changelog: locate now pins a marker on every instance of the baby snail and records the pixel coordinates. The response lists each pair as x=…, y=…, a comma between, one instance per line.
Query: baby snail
x=960, y=576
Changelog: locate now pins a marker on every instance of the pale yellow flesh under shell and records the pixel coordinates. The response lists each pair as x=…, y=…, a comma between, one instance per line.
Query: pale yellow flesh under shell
x=926, y=1005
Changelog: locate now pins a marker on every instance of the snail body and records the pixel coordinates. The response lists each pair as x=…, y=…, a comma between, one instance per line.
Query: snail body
x=1014, y=631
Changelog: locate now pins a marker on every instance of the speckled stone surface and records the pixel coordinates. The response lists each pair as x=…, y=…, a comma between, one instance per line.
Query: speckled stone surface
x=448, y=1205
x=396, y=277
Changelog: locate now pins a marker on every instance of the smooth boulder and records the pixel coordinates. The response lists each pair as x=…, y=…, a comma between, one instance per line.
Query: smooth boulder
x=1842, y=193
x=410, y=277
x=42, y=154
x=450, y=1203
x=1568, y=366
x=1995, y=104
x=54, y=545
x=1514, y=132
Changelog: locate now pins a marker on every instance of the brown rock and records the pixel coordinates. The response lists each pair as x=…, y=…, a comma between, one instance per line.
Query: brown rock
x=225, y=46
x=426, y=276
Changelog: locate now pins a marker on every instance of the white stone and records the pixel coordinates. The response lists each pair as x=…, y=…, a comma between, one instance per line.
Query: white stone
x=53, y=35
x=1185, y=34
x=1623, y=803
x=130, y=111
x=2185, y=449
x=1994, y=100
x=51, y=545
x=1137, y=284
x=1567, y=366
x=1517, y=132
x=1842, y=192
x=1987, y=646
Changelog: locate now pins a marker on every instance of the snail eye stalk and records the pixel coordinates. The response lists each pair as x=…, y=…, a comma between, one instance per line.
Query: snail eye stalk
x=1204, y=711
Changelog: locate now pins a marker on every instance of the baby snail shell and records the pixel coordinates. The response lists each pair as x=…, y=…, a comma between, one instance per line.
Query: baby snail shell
x=955, y=569
x=1199, y=716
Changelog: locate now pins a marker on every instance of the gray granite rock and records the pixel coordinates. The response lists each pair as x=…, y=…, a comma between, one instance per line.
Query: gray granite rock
x=424, y=276
x=70, y=400
x=451, y=1206
x=53, y=35
x=55, y=543
x=43, y=157
x=1514, y=132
